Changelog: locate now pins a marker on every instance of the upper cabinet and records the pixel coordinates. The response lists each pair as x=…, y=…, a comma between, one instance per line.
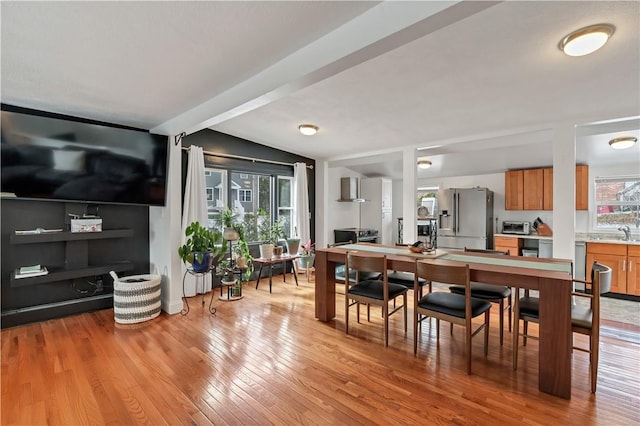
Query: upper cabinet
x=582, y=187
x=532, y=189
x=532, y=179
x=547, y=188
x=513, y=189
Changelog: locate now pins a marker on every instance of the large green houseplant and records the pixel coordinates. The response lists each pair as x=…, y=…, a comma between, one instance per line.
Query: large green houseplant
x=203, y=247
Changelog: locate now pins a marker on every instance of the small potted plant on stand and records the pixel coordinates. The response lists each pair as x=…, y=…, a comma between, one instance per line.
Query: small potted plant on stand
x=307, y=256
x=268, y=233
x=202, y=249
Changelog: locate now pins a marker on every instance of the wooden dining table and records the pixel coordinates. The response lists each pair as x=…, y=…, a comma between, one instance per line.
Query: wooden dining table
x=551, y=277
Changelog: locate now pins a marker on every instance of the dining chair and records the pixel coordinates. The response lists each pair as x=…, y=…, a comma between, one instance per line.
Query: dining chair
x=584, y=319
x=406, y=278
x=452, y=307
x=373, y=291
x=492, y=293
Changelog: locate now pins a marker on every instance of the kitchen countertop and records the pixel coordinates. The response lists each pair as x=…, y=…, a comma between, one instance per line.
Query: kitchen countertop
x=581, y=237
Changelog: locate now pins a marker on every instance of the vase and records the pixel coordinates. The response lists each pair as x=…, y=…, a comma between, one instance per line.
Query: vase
x=293, y=245
x=277, y=251
x=201, y=266
x=266, y=251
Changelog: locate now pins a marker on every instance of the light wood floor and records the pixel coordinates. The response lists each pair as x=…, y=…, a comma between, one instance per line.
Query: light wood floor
x=266, y=360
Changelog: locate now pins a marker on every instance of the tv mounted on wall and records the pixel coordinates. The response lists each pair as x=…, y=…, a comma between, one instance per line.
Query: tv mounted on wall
x=52, y=158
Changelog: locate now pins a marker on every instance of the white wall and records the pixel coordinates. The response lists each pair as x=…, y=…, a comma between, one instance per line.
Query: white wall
x=341, y=214
x=396, y=202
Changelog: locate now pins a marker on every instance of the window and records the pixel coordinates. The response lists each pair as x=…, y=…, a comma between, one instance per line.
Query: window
x=244, y=195
x=250, y=193
x=617, y=202
x=216, y=187
x=285, y=205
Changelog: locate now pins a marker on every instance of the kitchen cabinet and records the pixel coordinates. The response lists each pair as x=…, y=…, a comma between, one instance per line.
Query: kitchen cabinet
x=582, y=187
x=547, y=188
x=533, y=189
x=512, y=244
x=376, y=210
x=623, y=259
x=513, y=189
x=633, y=270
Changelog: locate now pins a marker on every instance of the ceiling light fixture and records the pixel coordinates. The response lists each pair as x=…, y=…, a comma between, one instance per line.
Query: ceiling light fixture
x=586, y=40
x=424, y=164
x=623, y=143
x=308, y=129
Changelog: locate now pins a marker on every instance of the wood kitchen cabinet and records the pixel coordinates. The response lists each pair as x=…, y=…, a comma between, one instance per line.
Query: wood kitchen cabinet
x=513, y=189
x=623, y=260
x=547, y=188
x=582, y=187
x=533, y=189
x=512, y=244
x=633, y=269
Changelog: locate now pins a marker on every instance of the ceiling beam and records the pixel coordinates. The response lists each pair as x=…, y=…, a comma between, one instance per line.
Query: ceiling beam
x=380, y=29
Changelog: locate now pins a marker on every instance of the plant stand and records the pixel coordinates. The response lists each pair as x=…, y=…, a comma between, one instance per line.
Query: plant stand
x=190, y=271
x=234, y=291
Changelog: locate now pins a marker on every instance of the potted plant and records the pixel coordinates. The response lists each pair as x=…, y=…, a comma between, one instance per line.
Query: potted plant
x=277, y=232
x=293, y=245
x=243, y=256
x=307, y=255
x=265, y=234
x=202, y=249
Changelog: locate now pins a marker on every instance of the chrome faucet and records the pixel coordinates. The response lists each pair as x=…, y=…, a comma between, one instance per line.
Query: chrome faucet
x=627, y=232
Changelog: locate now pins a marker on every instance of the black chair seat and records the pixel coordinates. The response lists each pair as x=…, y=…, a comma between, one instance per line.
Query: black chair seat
x=452, y=304
x=529, y=307
x=374, y=289
x=404, y=279
x=582, y=316
x=483, y=291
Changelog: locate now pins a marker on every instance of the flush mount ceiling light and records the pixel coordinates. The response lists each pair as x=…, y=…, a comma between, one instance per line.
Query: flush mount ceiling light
x=586, y=40
x=424, y=164
x=623, y=143
x=308, y=129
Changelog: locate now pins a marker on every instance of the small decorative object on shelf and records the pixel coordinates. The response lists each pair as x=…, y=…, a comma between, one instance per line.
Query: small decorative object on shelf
x=30, y=271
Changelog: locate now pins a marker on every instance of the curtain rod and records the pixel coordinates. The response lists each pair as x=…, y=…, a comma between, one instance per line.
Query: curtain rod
x=242, y=157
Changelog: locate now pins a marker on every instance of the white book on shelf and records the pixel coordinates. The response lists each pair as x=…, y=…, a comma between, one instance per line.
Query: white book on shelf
x=30, y=269
x=43, y=271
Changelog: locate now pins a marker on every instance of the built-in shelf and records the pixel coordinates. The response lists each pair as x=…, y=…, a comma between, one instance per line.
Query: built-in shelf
x=69, y=274
x=52, y=237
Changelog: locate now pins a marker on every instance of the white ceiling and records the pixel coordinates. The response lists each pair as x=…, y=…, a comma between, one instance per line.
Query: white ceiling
x=485, y=80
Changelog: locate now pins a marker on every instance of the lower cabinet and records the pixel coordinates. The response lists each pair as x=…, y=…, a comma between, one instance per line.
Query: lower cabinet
x=633, y=271
x=511, y=244
x=624, y=261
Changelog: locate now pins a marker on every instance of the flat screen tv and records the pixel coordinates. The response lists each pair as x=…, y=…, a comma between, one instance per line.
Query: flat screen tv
x=52, y=158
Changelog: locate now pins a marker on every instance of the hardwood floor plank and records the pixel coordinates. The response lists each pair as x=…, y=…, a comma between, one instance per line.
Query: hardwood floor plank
x=266, y=360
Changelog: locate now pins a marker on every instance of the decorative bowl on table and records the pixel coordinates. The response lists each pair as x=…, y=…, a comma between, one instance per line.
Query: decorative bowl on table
x=418, y=249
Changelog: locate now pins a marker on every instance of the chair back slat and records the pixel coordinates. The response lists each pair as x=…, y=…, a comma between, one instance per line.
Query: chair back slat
x=470, y=250
x=443, y=274
x=369, y=262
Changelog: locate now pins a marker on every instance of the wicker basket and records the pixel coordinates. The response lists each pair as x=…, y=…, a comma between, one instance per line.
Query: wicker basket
x=136, y=298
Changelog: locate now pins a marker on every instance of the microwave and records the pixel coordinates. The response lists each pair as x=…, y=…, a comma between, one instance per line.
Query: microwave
x=514, y=227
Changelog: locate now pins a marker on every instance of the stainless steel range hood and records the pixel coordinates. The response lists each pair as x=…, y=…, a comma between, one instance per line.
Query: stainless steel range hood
x=350, y=190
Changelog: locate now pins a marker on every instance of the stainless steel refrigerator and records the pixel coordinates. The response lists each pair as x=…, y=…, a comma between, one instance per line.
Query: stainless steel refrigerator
x=465, y=218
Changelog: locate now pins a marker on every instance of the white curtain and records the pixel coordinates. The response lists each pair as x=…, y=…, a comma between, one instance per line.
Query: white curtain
x=195, y=209
x=301, y=202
